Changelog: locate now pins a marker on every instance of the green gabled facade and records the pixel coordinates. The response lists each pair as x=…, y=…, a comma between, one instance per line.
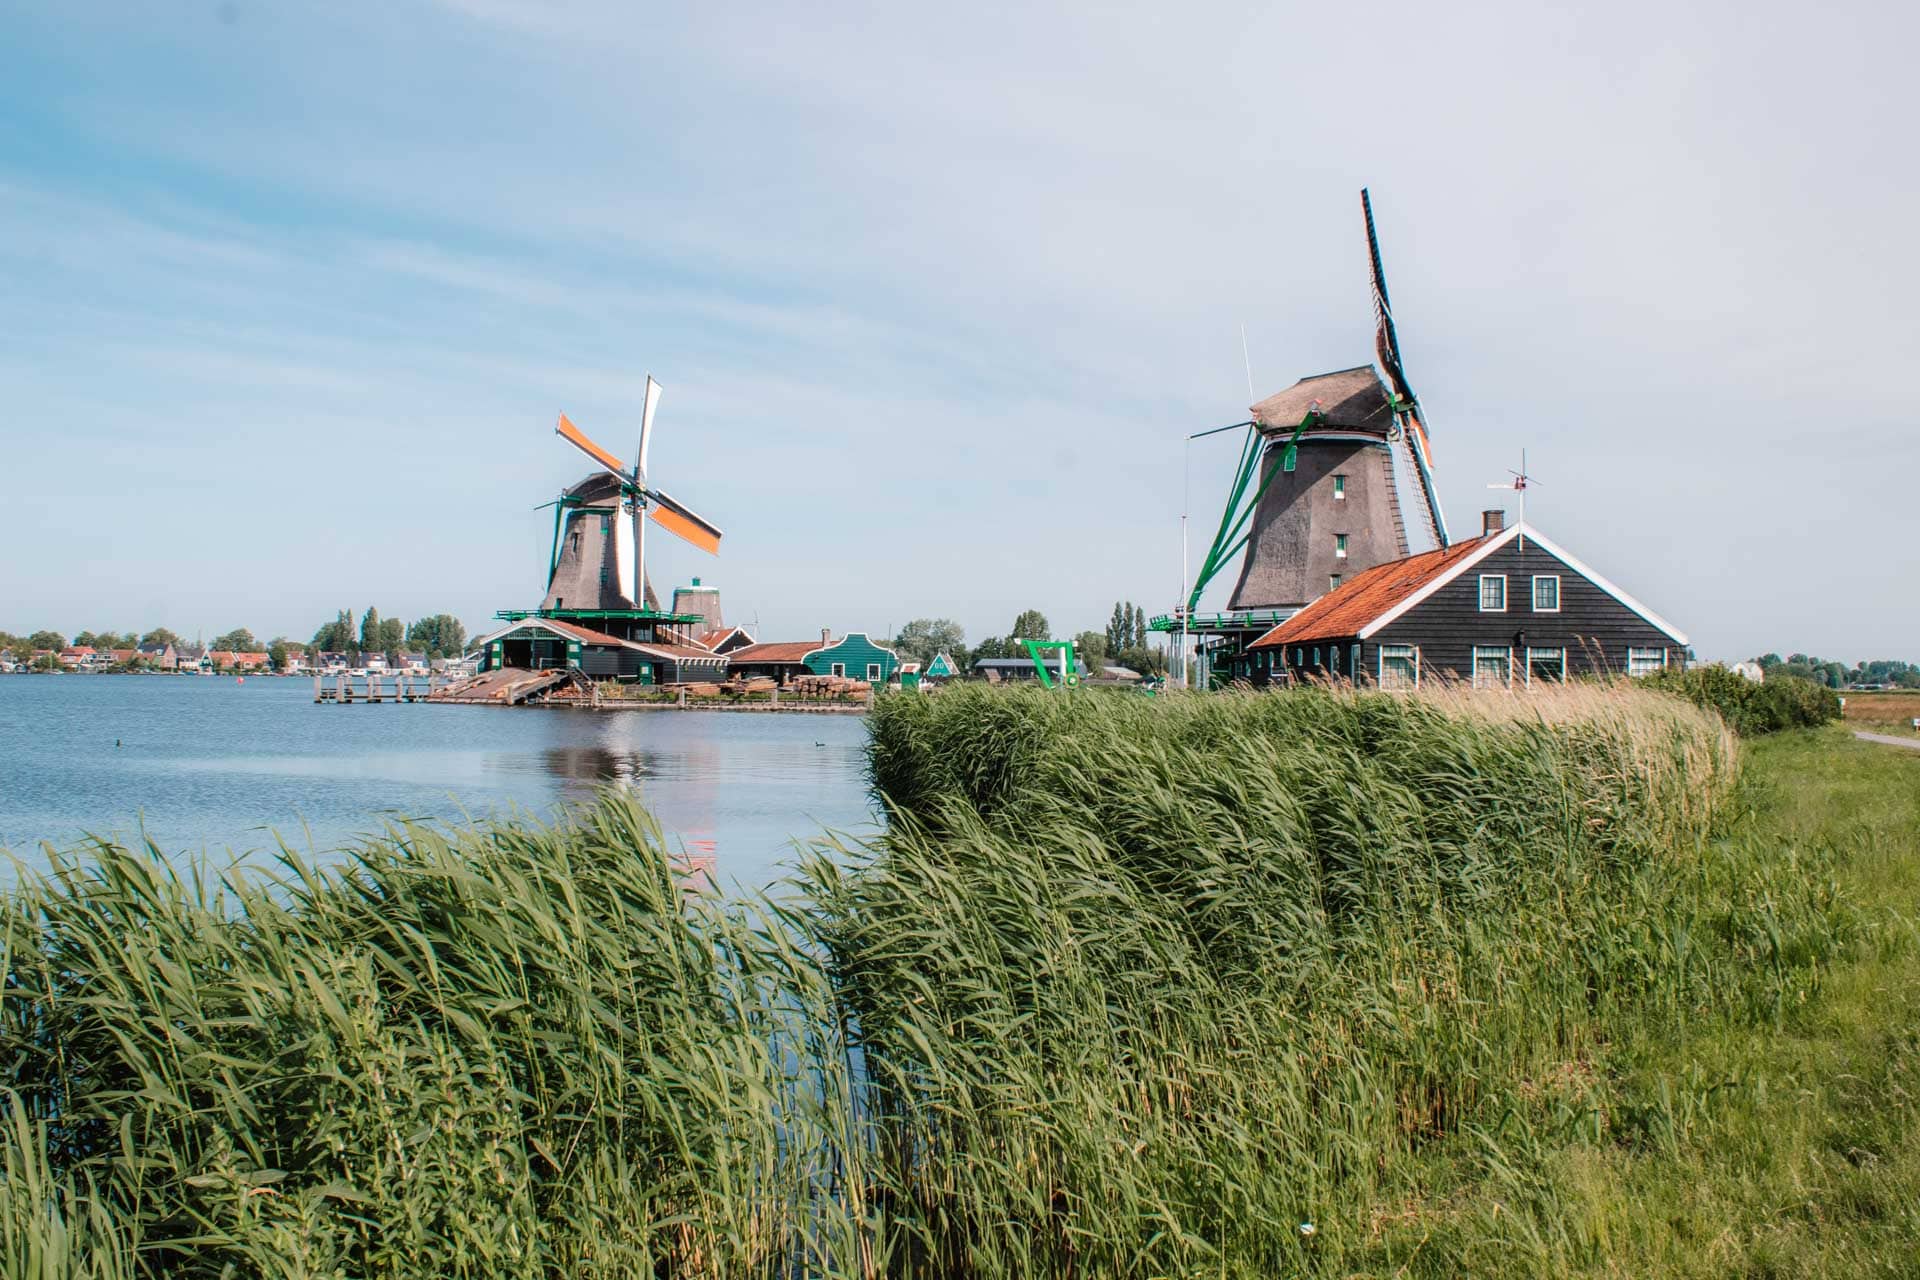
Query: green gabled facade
x=941, y=668
x=855, y=657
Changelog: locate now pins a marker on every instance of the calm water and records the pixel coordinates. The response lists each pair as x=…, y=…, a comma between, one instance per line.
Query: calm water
x=214, y=764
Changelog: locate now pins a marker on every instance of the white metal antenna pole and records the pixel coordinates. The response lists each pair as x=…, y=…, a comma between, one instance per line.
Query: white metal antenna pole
x=1523, y=501
x=1186, y=485
x=1248, y=362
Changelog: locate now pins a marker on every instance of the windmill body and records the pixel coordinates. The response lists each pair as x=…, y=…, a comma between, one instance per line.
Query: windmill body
x=1339, y=495
x=596, y=567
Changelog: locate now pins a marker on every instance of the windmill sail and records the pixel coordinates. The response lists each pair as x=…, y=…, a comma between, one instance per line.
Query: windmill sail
x=1386, y=347
x=683, y=522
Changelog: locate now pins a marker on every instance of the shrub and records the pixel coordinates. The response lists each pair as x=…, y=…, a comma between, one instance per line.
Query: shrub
x=1780, y=702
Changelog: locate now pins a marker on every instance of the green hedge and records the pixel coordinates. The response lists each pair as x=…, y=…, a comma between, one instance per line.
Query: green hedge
x=1781, y=702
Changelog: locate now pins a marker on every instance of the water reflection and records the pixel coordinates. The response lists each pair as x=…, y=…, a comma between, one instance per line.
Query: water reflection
x=211, y=765
x=582, y=770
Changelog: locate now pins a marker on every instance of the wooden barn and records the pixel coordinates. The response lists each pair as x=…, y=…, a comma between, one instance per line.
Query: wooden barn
x=542, y=644
x=1506, y=609
x=779, y=660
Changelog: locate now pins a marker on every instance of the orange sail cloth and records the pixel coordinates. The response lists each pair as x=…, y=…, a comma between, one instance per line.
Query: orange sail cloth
x=578, y=439
x=697, y=532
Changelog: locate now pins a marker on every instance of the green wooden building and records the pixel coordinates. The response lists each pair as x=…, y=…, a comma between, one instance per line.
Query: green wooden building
x=853, y=656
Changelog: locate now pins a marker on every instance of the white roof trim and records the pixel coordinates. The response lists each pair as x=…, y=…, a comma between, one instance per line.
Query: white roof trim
x=663, y=652
x=1673, y=633
x=1279, y=439
x=1554, y=549
x=1460, y=566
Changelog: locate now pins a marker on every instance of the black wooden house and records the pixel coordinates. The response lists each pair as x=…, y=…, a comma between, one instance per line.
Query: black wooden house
x=1506, y=609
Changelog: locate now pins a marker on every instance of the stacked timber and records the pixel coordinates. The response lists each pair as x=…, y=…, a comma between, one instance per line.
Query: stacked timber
x=834, y=687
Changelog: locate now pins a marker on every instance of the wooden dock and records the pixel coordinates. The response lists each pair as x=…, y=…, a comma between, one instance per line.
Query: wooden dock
x=342, y=688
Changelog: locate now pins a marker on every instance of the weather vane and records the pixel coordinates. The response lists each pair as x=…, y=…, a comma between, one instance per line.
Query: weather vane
x=1518, y=485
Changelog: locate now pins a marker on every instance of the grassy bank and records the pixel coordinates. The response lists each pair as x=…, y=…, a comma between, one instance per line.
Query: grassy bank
x=1777, y=1136
x=1236, y=985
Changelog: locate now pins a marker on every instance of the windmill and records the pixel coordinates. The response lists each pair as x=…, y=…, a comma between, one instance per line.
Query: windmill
x=1335, y=476
x=608, y=573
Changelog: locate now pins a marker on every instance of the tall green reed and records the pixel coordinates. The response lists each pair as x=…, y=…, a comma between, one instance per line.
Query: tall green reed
x=1129, y=987
x=515, y=1051
x=1155, y=987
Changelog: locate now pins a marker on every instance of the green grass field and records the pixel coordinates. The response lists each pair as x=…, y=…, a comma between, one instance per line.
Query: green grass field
x=1725, y=1144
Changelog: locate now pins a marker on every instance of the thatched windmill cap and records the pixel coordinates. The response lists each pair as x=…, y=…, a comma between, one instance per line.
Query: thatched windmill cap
x=1348, y=400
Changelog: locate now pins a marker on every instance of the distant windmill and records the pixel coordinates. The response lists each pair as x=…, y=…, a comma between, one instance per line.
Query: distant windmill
x=1519, y=485
x=609, y=573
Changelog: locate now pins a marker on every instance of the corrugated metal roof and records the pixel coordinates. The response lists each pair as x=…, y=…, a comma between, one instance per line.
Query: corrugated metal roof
x=1347, y=609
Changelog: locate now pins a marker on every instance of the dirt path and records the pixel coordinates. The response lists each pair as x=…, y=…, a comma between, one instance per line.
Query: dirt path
x=1912, y=744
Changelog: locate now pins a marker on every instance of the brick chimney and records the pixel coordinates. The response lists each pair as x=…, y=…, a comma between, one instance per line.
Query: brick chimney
x=826, y=637
x=1492, y=522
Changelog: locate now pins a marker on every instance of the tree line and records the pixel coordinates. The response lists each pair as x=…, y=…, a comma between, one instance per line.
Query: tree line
x=439, y=635
x=1124, y=642
x=1838, y=675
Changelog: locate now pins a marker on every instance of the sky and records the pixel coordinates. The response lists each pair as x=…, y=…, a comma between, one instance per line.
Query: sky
x=290, y=296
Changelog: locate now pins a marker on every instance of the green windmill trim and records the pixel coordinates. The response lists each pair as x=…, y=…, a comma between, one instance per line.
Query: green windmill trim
x=1235, y=530
x=1069, y=674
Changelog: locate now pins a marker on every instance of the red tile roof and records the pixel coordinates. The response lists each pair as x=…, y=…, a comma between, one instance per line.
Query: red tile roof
x=1349, y=607
x=777, y=651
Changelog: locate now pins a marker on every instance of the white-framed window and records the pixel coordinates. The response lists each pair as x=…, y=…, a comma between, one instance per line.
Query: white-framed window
x=1399, y=666
x=840, y=668
x=1493, y=593
x=1642, y=662
x=1492, y=666
x=1340, y=546
x=1546, y=665
x=873, y=671
x=1546, y=593
x=1339, y=488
